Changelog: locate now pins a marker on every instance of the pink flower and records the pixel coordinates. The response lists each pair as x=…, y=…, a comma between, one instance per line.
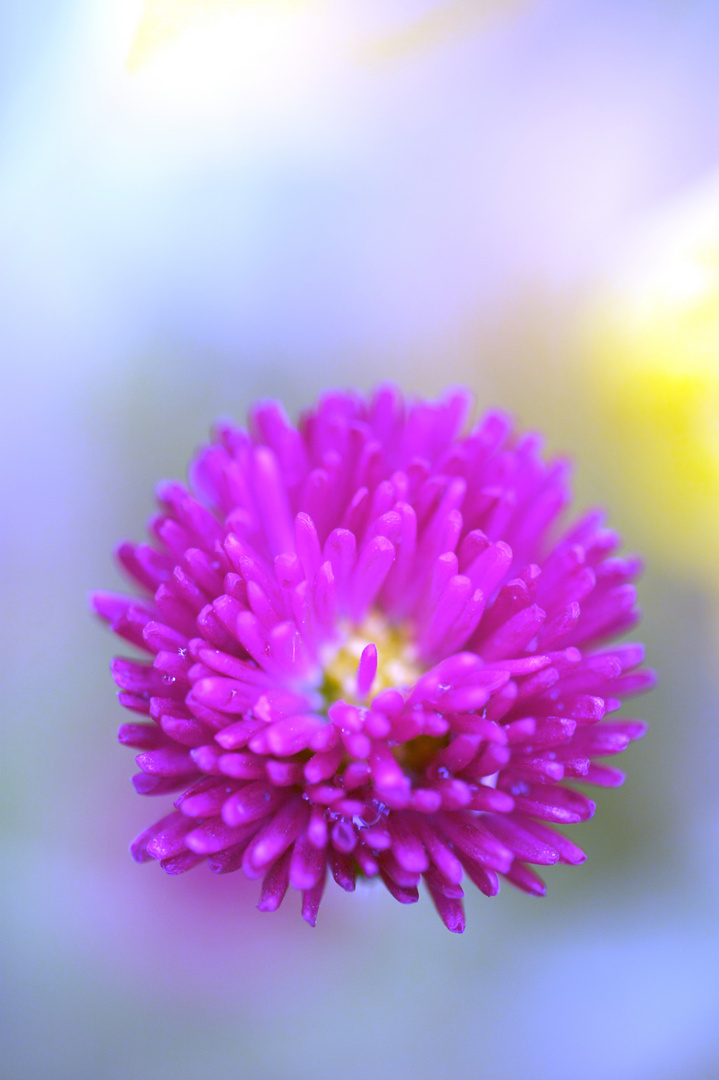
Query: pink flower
x=372, y=655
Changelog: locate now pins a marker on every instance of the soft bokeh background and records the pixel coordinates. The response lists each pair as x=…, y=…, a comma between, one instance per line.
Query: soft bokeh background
x=201, y=203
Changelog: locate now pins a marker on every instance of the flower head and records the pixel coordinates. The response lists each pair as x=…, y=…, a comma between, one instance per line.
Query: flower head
x=372, y=656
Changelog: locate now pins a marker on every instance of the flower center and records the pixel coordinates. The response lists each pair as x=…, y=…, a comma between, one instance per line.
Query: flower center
x=397, y=663
x=415, y=755
x=347, y=678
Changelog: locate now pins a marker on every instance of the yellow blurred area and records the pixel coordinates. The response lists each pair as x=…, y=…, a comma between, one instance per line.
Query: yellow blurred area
x=161, y=21
x=440, y=23
x=654, y=347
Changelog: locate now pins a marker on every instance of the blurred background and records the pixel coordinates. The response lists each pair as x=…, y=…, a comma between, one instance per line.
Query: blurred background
x=202, y=202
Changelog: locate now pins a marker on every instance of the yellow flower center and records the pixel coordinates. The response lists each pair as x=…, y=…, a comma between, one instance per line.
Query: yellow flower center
x=397, y=663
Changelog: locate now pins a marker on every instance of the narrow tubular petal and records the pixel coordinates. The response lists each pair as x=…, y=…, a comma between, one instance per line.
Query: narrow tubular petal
x=366, y=670
x=275, y=884
x=322, y=766
x=471, y=838
x=307, y=545
x=486, y=880
x=185, y=730
x=307, y=863
x=387, y=774
x=451, y=605
x=170, y=840
x=440, y=853
x=251, y=802
x=144, y=784
x=318, y=829
x=525, y=879
x=206, y=803
x=180, y=864
x=242, y=766
x=514, y=635
x=138, y=847
x=449, y=908
x=490, y=567
x=344, y=870
x=344, y=836
x=166, y=761
x=141, y=736
x=403, y=894
x=604, y=776
x=525, y=845
x=278, y=835
x=568, y=852
x=214, y=835
x=311, y=899
x=341, y=552
x=373, y=566
x=554, y=804
x=407, y=845
x=271, y=496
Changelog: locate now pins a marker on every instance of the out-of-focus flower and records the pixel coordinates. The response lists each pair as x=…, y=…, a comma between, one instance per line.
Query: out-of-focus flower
x=655, y=376
x=369, y=655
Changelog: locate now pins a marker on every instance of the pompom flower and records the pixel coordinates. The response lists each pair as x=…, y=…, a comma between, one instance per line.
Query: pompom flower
x=372, y=656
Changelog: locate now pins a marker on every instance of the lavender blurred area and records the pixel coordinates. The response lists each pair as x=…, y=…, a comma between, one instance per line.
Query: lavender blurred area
x=201, y=204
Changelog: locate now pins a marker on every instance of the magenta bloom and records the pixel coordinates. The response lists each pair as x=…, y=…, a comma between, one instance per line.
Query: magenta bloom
x=373, y=654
